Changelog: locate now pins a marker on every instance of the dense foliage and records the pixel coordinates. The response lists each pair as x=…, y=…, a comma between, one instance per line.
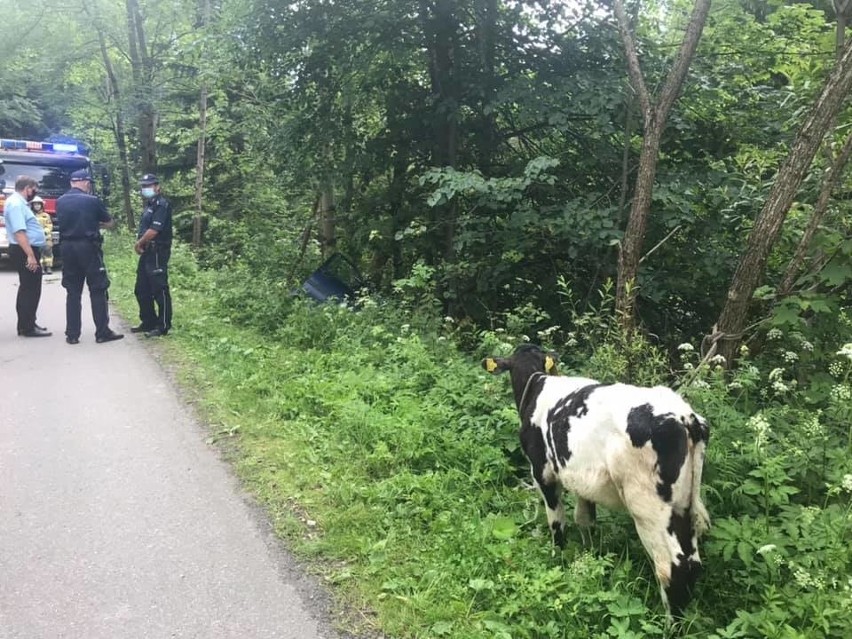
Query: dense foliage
x=476, y=158
x=494, y=142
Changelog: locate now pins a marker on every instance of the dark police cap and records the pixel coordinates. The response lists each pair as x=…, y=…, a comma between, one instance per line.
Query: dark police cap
x=81, y=175
x=148, y=179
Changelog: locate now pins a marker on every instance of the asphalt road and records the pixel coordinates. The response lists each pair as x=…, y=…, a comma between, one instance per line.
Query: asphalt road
x=117, y=521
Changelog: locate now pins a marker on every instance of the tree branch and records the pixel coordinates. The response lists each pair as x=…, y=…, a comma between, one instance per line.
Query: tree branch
x=829, y=184
x=677, y=74
x=634, y=70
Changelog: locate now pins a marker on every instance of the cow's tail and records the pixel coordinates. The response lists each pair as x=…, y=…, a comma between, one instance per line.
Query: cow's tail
x=699, y=432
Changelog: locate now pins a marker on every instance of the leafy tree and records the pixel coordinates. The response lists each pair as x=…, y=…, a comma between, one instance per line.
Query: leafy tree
x=768, y=224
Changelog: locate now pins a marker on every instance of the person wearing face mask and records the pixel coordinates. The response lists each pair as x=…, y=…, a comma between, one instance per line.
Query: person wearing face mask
x=37, y=205
x=26, y=241
x=81, y=216
x=154, y=247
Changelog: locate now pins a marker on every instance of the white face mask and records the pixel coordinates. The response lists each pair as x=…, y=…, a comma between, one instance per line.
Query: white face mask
x=148, y=193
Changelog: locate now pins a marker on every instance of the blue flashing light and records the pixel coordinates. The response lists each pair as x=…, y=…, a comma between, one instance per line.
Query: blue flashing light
x=44, y=147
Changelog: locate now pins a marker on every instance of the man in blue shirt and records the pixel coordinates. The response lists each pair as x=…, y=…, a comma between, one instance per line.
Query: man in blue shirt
x=26, y=239
x=81, y=216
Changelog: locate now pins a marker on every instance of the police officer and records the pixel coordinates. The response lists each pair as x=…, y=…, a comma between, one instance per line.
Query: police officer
x=154, y=247
x=80, y=216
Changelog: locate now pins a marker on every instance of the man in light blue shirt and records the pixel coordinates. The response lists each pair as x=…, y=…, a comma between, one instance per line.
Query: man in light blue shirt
x=26, y=239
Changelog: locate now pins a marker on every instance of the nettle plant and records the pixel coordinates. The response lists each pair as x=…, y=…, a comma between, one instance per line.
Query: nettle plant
x=778, y=483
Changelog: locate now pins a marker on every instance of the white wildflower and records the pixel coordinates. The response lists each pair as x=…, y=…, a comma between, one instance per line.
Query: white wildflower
x=790, y=357
x=766, y=549
x=807, y=346
x=744, y=351
x=836, y=369
x=802, y=577
x=846, y=484
x=735, y=385
x=841, y=393
x=718, y=359
x=686, y=347
x=759, y=425
x=846, y=351
x=700, y=383
x=808, y=515
x=776, y=374
x=812, y=427
x=774, y=333
x=780, y=387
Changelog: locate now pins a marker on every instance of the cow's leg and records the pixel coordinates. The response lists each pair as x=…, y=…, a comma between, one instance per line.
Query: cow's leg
x=686, y=563
x=585, y=515
x=652, y=517
x=551, y=492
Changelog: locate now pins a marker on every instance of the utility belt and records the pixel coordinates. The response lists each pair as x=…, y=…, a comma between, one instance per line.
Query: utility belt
x=92, y=240
x=155, y=245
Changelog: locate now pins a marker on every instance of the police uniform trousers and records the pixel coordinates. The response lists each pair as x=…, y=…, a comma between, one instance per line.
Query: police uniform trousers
x=29, y=289
x=152, y=287
x=83, y=262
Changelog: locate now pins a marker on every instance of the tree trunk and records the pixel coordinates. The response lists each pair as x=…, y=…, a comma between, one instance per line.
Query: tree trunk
x=114, y=91
x=204, y=13
x=120, y=135
x=655, y=116
x=439, y=29
x=832, y=178
x=625, y=163
x=486, y=11
x=637, y=222
x=327, y=220
x=768, y=224
x=199, y=166
x=142, y=70
x=842, y=10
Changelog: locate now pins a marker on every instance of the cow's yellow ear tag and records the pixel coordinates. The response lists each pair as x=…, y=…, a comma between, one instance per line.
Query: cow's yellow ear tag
x=549, y=364
x=490, y=365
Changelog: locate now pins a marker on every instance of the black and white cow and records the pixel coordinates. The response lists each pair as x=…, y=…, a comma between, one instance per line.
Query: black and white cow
x=620, y=446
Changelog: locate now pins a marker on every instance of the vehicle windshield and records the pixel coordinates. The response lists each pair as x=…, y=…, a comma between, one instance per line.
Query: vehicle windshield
x=52, y=180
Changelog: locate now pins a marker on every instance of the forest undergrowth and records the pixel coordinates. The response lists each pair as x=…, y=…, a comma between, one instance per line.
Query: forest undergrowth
x=390, y=461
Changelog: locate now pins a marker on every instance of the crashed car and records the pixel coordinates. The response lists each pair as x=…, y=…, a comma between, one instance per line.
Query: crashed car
x=336, y=279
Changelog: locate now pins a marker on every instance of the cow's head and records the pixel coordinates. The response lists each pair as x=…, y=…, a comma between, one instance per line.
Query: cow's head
x=525, y=361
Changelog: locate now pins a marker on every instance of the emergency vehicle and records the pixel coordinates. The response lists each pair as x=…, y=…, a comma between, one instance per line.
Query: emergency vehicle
x=51, y=163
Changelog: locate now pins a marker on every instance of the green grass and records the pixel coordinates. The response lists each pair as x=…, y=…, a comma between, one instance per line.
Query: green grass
x=389, y=461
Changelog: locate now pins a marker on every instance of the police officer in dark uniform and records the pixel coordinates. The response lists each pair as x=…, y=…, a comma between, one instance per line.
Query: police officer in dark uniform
x=81, y=216
x=154, y=247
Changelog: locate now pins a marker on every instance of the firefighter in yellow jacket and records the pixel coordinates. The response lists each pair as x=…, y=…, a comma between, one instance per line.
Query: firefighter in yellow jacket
x=37, y=205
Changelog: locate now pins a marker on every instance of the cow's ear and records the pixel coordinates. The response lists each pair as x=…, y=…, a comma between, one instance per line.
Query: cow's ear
x=550, y=361
x=495, y=365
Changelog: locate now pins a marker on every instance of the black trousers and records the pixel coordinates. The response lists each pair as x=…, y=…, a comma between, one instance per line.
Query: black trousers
x=83, y=263
x=29, y=290
x=152, y=288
